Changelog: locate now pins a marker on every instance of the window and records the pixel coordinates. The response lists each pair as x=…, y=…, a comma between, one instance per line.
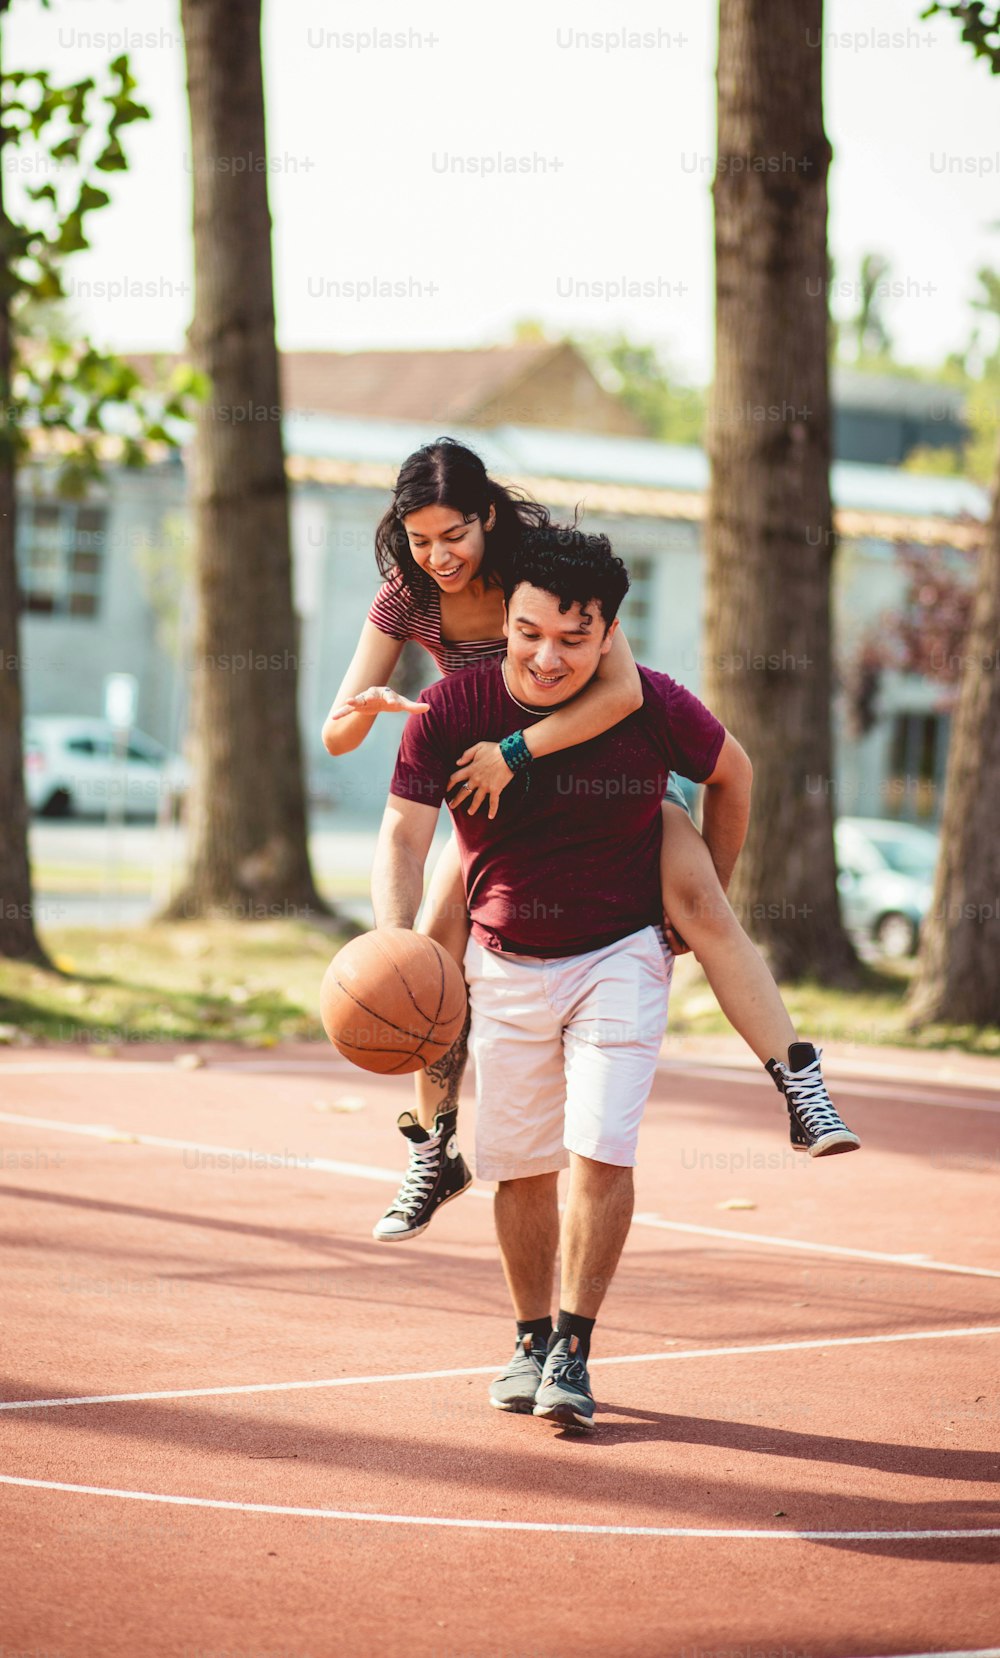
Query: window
x=637, y=610
x=150, y=753
x=60, y=552
x=917, y=759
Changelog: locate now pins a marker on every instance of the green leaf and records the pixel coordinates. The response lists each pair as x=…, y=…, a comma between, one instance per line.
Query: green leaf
x=112, y=158
x=186, y=380
x=48, y=285
x=71, y=238
x=77, y=472
x=90, y=198
x=126, y=113
x=133, y=454
x=121, y=67
x=68, y=149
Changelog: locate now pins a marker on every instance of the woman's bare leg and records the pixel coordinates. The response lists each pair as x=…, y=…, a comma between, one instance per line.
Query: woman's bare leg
x=437, y=1171
x=695, y=905
x=445, y=918
x=698, y=909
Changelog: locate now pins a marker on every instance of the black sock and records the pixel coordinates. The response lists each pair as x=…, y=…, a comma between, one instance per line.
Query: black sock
x=572, y=1324
x=539, y=1329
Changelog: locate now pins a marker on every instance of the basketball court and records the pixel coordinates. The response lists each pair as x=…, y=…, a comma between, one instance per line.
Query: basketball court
x=232, y=1423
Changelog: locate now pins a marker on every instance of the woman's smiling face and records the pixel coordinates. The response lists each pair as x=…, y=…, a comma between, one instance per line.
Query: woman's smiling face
x=447, y=546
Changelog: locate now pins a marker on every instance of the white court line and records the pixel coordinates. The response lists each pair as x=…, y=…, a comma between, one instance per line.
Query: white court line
x=307, y=1163
x=898, y=1090
x=489, y=1369
x=980, y=1652
x=501, y=1525
x=923, y=1261
x=84, y=1067
x=265, y=1159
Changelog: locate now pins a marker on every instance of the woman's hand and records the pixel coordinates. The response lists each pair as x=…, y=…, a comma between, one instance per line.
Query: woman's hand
x=378, y=699
x=480, y=772
x=678, y=945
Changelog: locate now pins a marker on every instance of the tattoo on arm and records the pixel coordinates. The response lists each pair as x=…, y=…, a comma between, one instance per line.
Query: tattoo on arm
x=447, y=1071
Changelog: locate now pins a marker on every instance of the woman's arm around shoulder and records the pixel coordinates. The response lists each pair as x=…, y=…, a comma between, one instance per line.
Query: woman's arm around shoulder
x=613, y=694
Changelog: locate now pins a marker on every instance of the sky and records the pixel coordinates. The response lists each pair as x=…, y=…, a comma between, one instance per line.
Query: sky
x=465, y=169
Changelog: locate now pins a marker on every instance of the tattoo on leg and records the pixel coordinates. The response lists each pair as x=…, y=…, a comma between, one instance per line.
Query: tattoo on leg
x=447, y=1071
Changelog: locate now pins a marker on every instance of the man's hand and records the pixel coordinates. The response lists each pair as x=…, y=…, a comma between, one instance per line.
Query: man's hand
x=480, y=772
x=378, y=699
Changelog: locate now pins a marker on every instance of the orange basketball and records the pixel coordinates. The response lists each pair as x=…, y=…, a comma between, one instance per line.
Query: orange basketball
x=392, y=1001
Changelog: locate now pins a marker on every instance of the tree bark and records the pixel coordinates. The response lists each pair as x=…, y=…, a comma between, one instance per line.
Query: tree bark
x=769, y=536
x=249, y=850
x=18, y=939
x=958, y=974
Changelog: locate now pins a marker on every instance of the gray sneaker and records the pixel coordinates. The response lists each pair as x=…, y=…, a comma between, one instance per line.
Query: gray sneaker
x=564, y=1391
x=515, y=1387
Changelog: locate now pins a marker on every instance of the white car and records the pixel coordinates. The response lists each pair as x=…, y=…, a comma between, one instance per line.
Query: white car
x=72, y=766
x=885, y=880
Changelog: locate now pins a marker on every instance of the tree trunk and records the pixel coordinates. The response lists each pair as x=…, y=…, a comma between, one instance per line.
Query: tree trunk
x=17, y=912
x=249, y=854
x=958, y=975
x=769, y=536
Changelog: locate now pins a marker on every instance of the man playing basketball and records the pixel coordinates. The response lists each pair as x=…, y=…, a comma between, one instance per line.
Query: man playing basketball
x=568, y=972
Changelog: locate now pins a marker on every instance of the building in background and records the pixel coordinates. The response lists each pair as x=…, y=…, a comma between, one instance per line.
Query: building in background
x=106, y=583
x=545, y=384
x=879, y=419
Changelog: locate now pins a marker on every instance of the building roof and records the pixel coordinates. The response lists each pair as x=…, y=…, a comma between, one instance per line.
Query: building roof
x=894, y=394
x=407, y=385
x=632, y=476
x=439, y=386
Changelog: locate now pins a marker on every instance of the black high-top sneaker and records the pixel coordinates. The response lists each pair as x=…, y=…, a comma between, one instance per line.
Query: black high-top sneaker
x=814, y=1124
x=437, y=1173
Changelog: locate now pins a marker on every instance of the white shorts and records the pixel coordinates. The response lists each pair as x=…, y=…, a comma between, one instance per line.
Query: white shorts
x=564, y=1048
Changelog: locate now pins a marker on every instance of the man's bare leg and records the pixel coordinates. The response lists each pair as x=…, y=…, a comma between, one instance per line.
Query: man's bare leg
x=527, y=1222
x=526, y=1213
x=595, y=1225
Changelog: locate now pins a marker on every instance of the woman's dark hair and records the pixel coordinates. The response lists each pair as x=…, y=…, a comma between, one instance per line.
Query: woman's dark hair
x=448, y=474
x=574, y=567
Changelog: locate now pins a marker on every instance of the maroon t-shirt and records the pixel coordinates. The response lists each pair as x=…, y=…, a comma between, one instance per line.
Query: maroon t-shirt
x=571, y=862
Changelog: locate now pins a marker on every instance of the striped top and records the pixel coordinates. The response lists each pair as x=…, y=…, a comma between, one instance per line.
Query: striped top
x=404, y=615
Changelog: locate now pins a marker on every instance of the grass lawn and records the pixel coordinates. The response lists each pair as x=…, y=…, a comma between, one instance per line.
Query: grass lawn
x=167, y=982
x=259, y=984
x=873, y=1015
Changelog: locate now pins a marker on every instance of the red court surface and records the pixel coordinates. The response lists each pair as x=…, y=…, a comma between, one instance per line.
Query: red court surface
x=233, y=1424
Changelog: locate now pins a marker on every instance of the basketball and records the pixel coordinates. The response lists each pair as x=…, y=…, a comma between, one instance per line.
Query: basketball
x=393, y=1001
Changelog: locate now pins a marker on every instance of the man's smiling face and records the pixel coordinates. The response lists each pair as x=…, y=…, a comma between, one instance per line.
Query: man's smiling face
x=551, y=653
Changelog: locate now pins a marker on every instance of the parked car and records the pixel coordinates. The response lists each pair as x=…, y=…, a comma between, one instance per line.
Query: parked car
x=885, y=880
x=72, y=766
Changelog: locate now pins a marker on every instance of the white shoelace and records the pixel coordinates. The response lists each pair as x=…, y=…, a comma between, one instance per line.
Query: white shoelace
x=810, y=1098
x=420, y=1175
